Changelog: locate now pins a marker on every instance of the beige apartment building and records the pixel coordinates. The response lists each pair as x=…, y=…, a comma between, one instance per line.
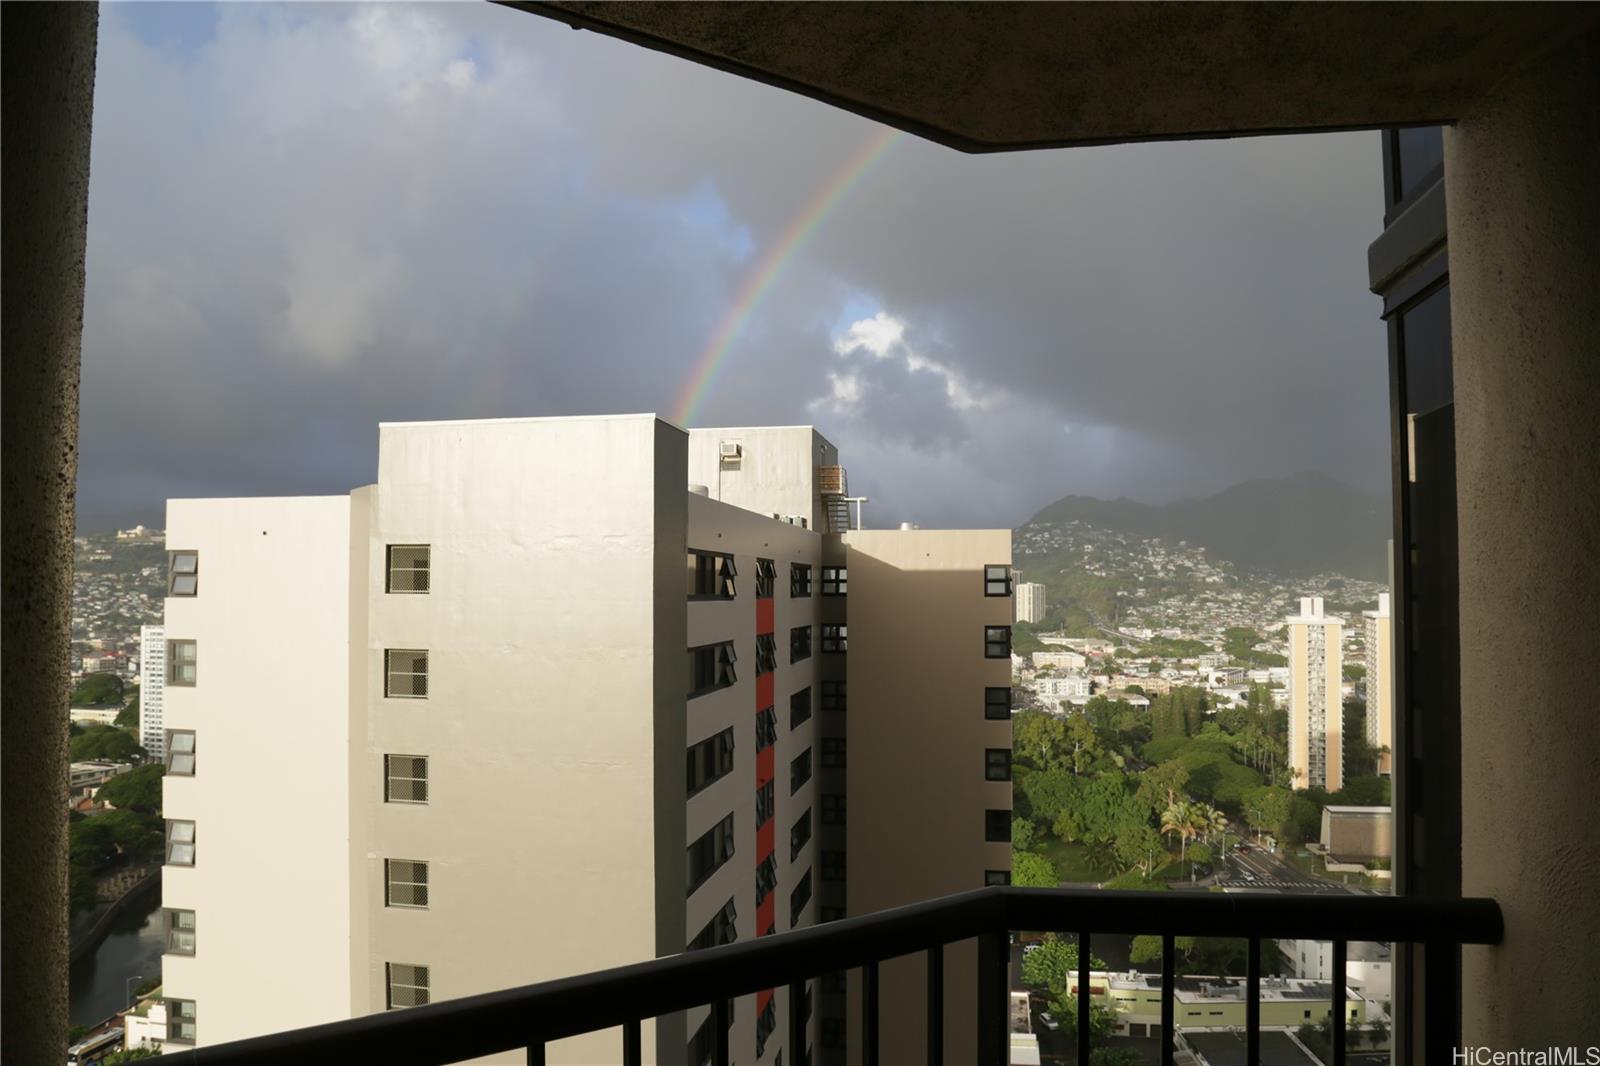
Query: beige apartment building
x=1316, y=712
x=556, y=695
x=1378, y=648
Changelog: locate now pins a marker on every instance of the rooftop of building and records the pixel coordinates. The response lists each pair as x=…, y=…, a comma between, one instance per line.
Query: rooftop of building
x=1204, y=989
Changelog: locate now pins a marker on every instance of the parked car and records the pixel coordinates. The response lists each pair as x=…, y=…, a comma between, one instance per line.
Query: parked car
x=1242, y=848
x=1049, y=1022
x=1029, y=949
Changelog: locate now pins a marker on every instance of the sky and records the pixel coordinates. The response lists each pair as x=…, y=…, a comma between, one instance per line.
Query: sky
x=308, y=219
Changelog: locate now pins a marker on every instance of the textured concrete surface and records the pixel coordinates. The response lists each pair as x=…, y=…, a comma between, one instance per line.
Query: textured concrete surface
x=1523, y=169
x=995, y=76
x=49, y=52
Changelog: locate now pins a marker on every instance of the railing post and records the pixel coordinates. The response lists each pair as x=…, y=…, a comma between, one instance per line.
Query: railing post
x=1169, y=966
x=1252, y=1004
x=632, y=1043
x=797, y=1022
x=1083, y=998
x=721, y=1015
x=992, y=1039
x=936, y=1005
x=536, y=1054
x=1440, y=1000
x=869, y=1014
x=1339, y=1019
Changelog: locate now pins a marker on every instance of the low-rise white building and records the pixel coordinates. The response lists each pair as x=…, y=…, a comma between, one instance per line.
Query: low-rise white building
x=1061, y=660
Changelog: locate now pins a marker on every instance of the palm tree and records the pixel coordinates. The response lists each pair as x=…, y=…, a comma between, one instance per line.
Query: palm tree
x=1181, y=818
x=1216, y=823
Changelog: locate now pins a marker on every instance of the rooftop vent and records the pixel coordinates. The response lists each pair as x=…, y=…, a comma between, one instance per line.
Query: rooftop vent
x=730, y=451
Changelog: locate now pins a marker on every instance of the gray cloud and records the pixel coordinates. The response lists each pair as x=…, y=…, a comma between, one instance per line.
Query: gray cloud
x=308, y=219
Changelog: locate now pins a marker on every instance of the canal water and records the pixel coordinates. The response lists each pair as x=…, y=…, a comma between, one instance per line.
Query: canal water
x=100, y=981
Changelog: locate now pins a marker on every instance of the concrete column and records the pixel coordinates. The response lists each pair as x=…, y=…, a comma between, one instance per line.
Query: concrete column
x=1523, y=183
x=48, y=96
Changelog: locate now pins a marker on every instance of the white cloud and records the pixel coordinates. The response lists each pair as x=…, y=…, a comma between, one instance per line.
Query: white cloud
x=880, y=335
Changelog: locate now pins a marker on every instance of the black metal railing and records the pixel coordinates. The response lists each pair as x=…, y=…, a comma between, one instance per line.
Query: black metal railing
x=532, y=1016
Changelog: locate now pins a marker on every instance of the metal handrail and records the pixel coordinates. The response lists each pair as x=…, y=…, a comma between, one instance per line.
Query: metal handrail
x=530, y=1016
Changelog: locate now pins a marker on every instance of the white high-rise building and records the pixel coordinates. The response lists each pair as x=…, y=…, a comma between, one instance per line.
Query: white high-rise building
x=1316, y=712
x=1378, y=646
x=152, y=681
x=545, y=700
x=1030, y=602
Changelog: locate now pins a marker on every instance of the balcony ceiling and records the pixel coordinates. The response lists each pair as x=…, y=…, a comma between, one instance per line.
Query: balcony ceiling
x=985, y=77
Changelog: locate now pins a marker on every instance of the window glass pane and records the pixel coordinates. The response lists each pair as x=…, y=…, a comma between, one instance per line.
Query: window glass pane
x=184, y=584
x=1420, y=149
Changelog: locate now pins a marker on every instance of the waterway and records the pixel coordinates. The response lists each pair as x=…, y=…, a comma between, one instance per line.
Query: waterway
x=100, y=981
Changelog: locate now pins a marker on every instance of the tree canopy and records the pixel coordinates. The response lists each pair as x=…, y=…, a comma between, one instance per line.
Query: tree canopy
x=105, y=742
x=137, y=790
x=97, y=690
x=1029, y=869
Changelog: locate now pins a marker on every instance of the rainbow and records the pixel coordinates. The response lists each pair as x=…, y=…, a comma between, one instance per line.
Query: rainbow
x=770, y=268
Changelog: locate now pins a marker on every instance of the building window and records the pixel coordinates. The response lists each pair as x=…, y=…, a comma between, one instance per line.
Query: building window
x=799, y=898
x=833, y=695
x=180, y=843
x=766, y=878
x=766, y=729
x=833, y=809
x=996, y=877
x=408, y=567
x=719, y=930
x=180, y=1021
x=997, y=703
x=405, y=779
x=799, y=580
x=835, y=581
x=711, y=666
x=799, y=643
x=183, y=573
x=766, y=578
x=997, y=580
x=997, y=642
x=711, y=576
x=833, y=753
x=766, y=1022
x=997, y=827
x=707, y=854
x=799, y=835
x=405, y=674
x=407, y=985
x=833, y=866
x=710, y=760
x=766, y=653
x=997, y=764
x=180, y=752
x=835, y=638
x=180, y=931
x=799, y=771
x=405, y=883
x=800, y=707
x=181, y=658
x=766, y=803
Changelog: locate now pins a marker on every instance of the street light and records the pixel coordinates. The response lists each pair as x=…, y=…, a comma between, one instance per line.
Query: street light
x=129, y=986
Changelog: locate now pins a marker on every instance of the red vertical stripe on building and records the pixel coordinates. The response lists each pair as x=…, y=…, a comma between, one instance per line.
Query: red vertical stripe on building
x=764, y=617
x=764, y=691
x=764, y=841
x=765, y=761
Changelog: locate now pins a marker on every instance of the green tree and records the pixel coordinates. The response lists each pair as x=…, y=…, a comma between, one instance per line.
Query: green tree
x=1365, y=792
x=1053, y=963
x=1161, y=785
x=1029, y=869
x=129, y=718
x=1139, y=847
x=1147, y=949
x=1080, y=743
x=131, y=1055
x=138, y=790
x=1037, y=738
x=97, y=690
x=105, y=742
x=1102, y=1020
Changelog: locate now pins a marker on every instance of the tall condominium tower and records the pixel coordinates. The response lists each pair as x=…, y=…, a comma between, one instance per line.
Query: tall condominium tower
x=546, y=699
x=1030, y=602
x=1378, y=644
x=1316, y=715
x=152, y=678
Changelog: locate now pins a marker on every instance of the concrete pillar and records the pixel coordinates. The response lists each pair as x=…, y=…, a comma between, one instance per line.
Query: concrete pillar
x=1522, y=173
x=48, y=96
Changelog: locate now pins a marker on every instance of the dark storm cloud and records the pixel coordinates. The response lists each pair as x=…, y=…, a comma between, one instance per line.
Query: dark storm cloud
x=306, y=220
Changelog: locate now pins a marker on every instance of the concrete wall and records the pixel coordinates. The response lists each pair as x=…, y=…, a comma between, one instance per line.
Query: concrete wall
x=775, y=473
x=916, y=738
x=1521, y=170
x=544, y=697
x=268, y=796
x=48, y=98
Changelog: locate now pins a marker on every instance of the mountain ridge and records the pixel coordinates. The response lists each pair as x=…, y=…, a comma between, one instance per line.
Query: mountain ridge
x=1306, y=523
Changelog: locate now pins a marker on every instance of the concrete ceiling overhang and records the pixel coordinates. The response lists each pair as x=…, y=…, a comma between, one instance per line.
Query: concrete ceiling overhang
x=987, y=77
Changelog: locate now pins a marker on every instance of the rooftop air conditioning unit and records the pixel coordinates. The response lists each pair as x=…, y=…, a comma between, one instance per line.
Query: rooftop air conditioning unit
x=730, y=451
